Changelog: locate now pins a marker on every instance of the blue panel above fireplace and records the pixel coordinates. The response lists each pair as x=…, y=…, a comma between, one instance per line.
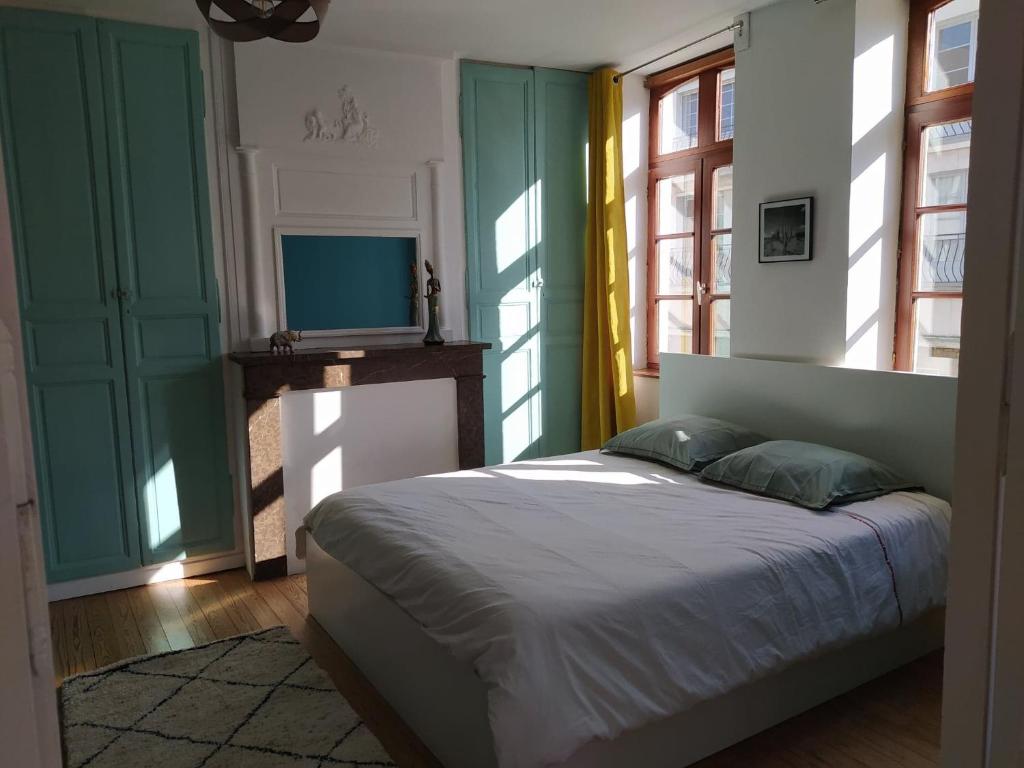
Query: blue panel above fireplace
x=348, y=282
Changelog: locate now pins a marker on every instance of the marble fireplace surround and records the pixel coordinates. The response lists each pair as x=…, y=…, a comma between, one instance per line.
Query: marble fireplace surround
x=266, y=377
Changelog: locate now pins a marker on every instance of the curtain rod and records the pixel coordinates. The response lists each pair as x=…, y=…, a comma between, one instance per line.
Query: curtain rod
x=738, y=24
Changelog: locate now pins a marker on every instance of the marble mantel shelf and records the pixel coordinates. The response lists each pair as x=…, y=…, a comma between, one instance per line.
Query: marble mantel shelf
x=271, y=375
x=267, y=376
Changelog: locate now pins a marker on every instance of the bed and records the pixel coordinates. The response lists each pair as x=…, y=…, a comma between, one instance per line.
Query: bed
x=593, y=610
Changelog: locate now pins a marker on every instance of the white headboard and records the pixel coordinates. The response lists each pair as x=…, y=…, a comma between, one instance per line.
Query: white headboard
x=901, y=419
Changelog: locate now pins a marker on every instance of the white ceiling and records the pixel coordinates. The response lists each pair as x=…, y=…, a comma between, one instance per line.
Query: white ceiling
x=571, y=34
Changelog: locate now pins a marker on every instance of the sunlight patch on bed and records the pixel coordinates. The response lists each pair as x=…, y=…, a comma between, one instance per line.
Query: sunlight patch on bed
x=461, y=475
x=560, y=463
x=569, y=475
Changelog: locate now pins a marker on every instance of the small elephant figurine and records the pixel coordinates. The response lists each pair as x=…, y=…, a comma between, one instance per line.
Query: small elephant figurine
x=281, y=342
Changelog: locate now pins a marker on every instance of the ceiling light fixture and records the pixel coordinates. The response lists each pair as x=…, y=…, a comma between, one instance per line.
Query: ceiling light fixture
x=255, y=19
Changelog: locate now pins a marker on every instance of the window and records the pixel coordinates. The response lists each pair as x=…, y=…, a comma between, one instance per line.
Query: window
x=689, y=197
x=940, y=85
x=726, y=119
x=952, y=44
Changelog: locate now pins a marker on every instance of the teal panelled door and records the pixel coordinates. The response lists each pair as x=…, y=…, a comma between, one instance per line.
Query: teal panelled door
x=170, y=306
x=502, y=271
x=524, y=136
x=563, y=108
x=55, y=157
x=104, y=152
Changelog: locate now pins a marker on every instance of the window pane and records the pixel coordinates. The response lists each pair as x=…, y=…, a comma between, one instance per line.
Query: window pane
x=952, y=44
x=721, y=248
x=720, y=329
x=675, y=325
x=679, y=118
x=947, y=158
x=675, y=266
x=937, y=336
x=940, y=263
x=675, y=205
x=726, y=105
x=721, y=182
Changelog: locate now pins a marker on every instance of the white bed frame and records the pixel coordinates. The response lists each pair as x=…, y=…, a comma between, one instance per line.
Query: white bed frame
x=901, y=419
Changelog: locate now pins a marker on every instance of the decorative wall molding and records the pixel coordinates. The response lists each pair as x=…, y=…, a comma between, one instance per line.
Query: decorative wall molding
x=386, y=195
x=318, y=193
x=353, y=126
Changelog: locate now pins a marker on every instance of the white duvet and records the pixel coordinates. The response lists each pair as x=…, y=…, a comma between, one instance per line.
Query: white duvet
x=594, y=594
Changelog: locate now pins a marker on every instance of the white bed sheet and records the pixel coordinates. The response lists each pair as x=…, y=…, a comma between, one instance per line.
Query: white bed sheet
x=594, y=594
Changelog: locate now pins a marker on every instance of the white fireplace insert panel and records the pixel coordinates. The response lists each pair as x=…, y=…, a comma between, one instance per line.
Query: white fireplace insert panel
x=334, y=439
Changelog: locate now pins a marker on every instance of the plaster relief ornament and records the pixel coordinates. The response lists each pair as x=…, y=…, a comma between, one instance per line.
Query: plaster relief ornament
x=241, y=21
x=353, y=126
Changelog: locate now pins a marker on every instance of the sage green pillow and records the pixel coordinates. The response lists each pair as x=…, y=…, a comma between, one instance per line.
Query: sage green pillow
x=684, y=442
x=811, y=475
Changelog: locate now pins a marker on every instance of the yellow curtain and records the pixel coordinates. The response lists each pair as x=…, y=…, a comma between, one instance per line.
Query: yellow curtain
x=609, y=406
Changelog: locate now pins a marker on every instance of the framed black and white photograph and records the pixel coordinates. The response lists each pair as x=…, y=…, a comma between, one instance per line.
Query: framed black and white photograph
x=785, y=233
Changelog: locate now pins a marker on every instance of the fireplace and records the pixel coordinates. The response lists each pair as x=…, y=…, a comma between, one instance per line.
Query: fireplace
x=266, y=377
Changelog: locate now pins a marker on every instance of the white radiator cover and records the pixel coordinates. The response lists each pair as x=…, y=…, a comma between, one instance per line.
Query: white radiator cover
x=334, y=439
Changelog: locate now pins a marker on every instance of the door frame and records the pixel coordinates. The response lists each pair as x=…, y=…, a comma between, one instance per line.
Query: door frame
x=28, y=713
x=984, y=639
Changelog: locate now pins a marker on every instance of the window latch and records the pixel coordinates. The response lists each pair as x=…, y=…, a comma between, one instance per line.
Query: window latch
x=701, y=290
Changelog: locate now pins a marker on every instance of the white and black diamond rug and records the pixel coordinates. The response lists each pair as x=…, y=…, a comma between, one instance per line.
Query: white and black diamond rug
x=257, y=701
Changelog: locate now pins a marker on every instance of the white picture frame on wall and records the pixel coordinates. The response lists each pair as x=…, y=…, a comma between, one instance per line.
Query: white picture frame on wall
x=280, y=231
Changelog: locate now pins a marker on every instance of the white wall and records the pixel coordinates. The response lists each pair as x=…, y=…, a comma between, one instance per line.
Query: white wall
x=794, y=95
x=876, y=176
x=409, y=179
x=819, y=111
x=635, y=119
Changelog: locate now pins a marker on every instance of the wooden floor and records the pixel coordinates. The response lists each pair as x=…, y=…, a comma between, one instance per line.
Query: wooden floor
x=892, y=722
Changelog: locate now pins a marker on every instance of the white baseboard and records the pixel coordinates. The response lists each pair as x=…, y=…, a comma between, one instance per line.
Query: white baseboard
x=151, y=574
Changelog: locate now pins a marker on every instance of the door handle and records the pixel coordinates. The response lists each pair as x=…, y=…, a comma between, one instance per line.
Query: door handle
x=538, y=283
x=701, y=290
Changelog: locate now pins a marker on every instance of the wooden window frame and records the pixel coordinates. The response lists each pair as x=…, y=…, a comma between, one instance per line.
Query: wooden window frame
x=923, y=109
x=702, y=160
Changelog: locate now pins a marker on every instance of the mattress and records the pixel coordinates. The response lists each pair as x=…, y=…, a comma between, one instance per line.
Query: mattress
x=594, y=594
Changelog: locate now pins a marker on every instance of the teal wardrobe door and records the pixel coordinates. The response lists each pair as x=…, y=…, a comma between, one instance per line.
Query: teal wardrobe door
x=55, y=157
x=563, y=106
x=502, y=273
x=170, y=311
